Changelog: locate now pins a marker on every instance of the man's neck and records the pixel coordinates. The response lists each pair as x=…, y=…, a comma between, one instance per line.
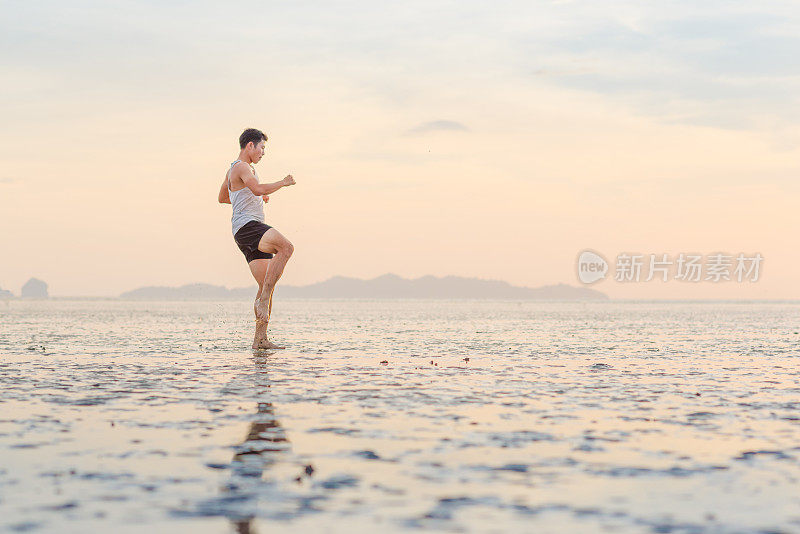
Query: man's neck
x=245, y=158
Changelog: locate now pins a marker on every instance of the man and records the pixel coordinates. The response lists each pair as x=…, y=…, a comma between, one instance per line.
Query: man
x=264, y=248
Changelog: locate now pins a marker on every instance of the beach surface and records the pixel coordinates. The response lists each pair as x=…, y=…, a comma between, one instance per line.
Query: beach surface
x=392, y=416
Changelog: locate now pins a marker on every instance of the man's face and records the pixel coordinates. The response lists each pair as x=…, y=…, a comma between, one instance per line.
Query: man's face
x=258, y=151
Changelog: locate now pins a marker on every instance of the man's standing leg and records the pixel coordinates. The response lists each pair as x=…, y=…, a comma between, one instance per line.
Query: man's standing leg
x=274, y=242
x=259, y=270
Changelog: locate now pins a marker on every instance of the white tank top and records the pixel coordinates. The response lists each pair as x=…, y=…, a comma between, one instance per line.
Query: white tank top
x=246, y=206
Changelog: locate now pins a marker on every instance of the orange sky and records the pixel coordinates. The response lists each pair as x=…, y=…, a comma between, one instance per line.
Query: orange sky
x=493, y=147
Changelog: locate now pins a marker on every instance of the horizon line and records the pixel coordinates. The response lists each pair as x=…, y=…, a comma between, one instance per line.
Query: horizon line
x=609, y=299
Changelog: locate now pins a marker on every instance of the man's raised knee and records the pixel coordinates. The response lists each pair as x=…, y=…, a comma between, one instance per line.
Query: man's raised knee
x=285, y=248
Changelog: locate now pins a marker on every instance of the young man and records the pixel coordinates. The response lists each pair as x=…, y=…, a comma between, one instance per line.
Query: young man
x=265, y=249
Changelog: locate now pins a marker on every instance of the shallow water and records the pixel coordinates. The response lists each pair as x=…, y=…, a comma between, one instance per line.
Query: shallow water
x=486, y=417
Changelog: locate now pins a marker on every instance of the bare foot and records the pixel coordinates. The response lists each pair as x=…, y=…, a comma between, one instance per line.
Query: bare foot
x=260, y=340
x=265, y=344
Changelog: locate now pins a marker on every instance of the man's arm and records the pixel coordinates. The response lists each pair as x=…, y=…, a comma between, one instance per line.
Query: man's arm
x=224, y=198
x=258, y=189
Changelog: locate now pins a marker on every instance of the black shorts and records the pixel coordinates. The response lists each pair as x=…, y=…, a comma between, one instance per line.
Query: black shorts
x=248, y=236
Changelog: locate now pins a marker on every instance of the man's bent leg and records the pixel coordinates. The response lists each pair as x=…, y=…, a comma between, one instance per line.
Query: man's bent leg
x=274, y=242
x=259, y=270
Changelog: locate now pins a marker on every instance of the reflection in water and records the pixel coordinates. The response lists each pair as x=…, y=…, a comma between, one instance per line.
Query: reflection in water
x=261, y=449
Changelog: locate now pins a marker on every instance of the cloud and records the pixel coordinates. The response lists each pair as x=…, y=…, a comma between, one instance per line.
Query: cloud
x=721, y=66
x=729, y=64
x=437, y=126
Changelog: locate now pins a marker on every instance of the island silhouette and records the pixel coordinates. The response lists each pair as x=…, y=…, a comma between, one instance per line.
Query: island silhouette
x=33, y=289
x=388, y=286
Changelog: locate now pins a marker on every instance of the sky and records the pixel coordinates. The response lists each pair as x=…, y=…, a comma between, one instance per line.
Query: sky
x=426, y=138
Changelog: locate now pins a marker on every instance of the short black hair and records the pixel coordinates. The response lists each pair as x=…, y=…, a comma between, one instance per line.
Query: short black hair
x=251, y=134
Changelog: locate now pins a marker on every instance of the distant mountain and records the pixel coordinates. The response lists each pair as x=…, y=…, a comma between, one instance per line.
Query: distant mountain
x=188, y=292
x=35, y=288
x=388, y=286
x=431, y=287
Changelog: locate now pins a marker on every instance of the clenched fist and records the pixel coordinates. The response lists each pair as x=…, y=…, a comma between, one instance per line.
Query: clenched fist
x=289, y=180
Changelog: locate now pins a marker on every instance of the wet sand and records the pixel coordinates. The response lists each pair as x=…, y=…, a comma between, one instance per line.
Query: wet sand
x=485, y=417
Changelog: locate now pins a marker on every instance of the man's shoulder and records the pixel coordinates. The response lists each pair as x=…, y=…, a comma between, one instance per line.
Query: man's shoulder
x=240, y=168
x=242, y=165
